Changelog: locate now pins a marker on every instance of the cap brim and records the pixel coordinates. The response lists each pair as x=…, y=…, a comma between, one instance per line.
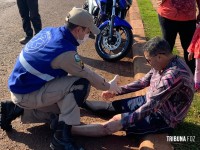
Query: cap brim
x=94, y=29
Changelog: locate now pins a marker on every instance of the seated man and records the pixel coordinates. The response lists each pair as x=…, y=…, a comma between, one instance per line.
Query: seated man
x=167, y=100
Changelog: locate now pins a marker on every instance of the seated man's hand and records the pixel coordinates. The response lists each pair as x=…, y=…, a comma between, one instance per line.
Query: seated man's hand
x=114, y=124
x=107, y=95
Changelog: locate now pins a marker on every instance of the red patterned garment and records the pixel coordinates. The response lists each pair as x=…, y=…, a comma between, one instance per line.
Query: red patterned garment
x=179, y=10
x=195, y=43
x=183, y=5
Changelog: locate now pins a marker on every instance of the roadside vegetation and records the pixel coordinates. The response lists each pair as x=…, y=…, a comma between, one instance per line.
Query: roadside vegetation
x=190, y=128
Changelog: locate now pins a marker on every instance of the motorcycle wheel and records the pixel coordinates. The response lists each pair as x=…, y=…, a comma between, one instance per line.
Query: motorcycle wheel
x=118, y=47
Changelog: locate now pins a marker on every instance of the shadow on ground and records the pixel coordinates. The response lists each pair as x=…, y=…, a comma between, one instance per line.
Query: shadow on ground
x=39, y=137
x=182, y=130
x=124, y=68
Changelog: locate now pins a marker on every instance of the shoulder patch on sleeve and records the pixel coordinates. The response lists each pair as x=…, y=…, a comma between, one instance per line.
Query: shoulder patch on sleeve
x=78, y=60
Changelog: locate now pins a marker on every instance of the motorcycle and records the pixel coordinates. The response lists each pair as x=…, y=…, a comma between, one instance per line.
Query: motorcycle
x=115, y=39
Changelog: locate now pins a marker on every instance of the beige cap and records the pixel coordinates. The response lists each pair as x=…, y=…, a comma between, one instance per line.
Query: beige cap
x=81, y=17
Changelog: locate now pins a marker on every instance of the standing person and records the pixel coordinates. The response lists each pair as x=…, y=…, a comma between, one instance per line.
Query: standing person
x=179, y=16
x=41, y=86
x=170, y=90
x=194, y=51
x=29, y=12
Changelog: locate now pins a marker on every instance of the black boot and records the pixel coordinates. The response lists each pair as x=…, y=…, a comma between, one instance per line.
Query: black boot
x=62, y=138
x=9, y=112
x=53, y=122
x=25, y=40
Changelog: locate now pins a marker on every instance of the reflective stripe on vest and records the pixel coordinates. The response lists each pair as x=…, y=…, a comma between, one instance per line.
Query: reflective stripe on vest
x=32, y=70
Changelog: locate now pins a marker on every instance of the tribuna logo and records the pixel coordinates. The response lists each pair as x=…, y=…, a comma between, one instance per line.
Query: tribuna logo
x=180, y=138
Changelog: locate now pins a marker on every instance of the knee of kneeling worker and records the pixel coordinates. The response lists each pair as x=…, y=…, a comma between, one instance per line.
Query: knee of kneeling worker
x=83, y=83
x=82, y=92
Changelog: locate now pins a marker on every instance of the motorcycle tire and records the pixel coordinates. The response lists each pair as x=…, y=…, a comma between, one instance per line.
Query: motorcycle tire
x=114, y=51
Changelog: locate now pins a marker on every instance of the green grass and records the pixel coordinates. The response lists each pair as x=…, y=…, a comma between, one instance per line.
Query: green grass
x=150, y=19
x=190, y=127
x=191, y=124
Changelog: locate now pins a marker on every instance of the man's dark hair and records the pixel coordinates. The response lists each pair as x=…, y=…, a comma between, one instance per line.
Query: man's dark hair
x=156, y=46
x=71, y=26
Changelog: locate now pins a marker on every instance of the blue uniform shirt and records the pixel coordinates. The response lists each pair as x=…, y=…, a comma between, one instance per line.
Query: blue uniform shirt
x=33, y=66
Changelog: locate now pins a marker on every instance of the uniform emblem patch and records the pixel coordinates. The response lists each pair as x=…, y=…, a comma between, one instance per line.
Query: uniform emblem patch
x=78, y=60
x=38, y=42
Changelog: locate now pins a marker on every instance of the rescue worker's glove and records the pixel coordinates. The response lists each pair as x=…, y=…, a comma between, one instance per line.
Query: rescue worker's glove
x=114, y=88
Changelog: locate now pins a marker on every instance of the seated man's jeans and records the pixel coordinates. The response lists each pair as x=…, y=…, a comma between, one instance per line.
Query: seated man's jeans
x=153, y=123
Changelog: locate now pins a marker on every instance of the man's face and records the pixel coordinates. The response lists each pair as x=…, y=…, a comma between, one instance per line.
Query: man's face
x=153, y=61
x=82, y=32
